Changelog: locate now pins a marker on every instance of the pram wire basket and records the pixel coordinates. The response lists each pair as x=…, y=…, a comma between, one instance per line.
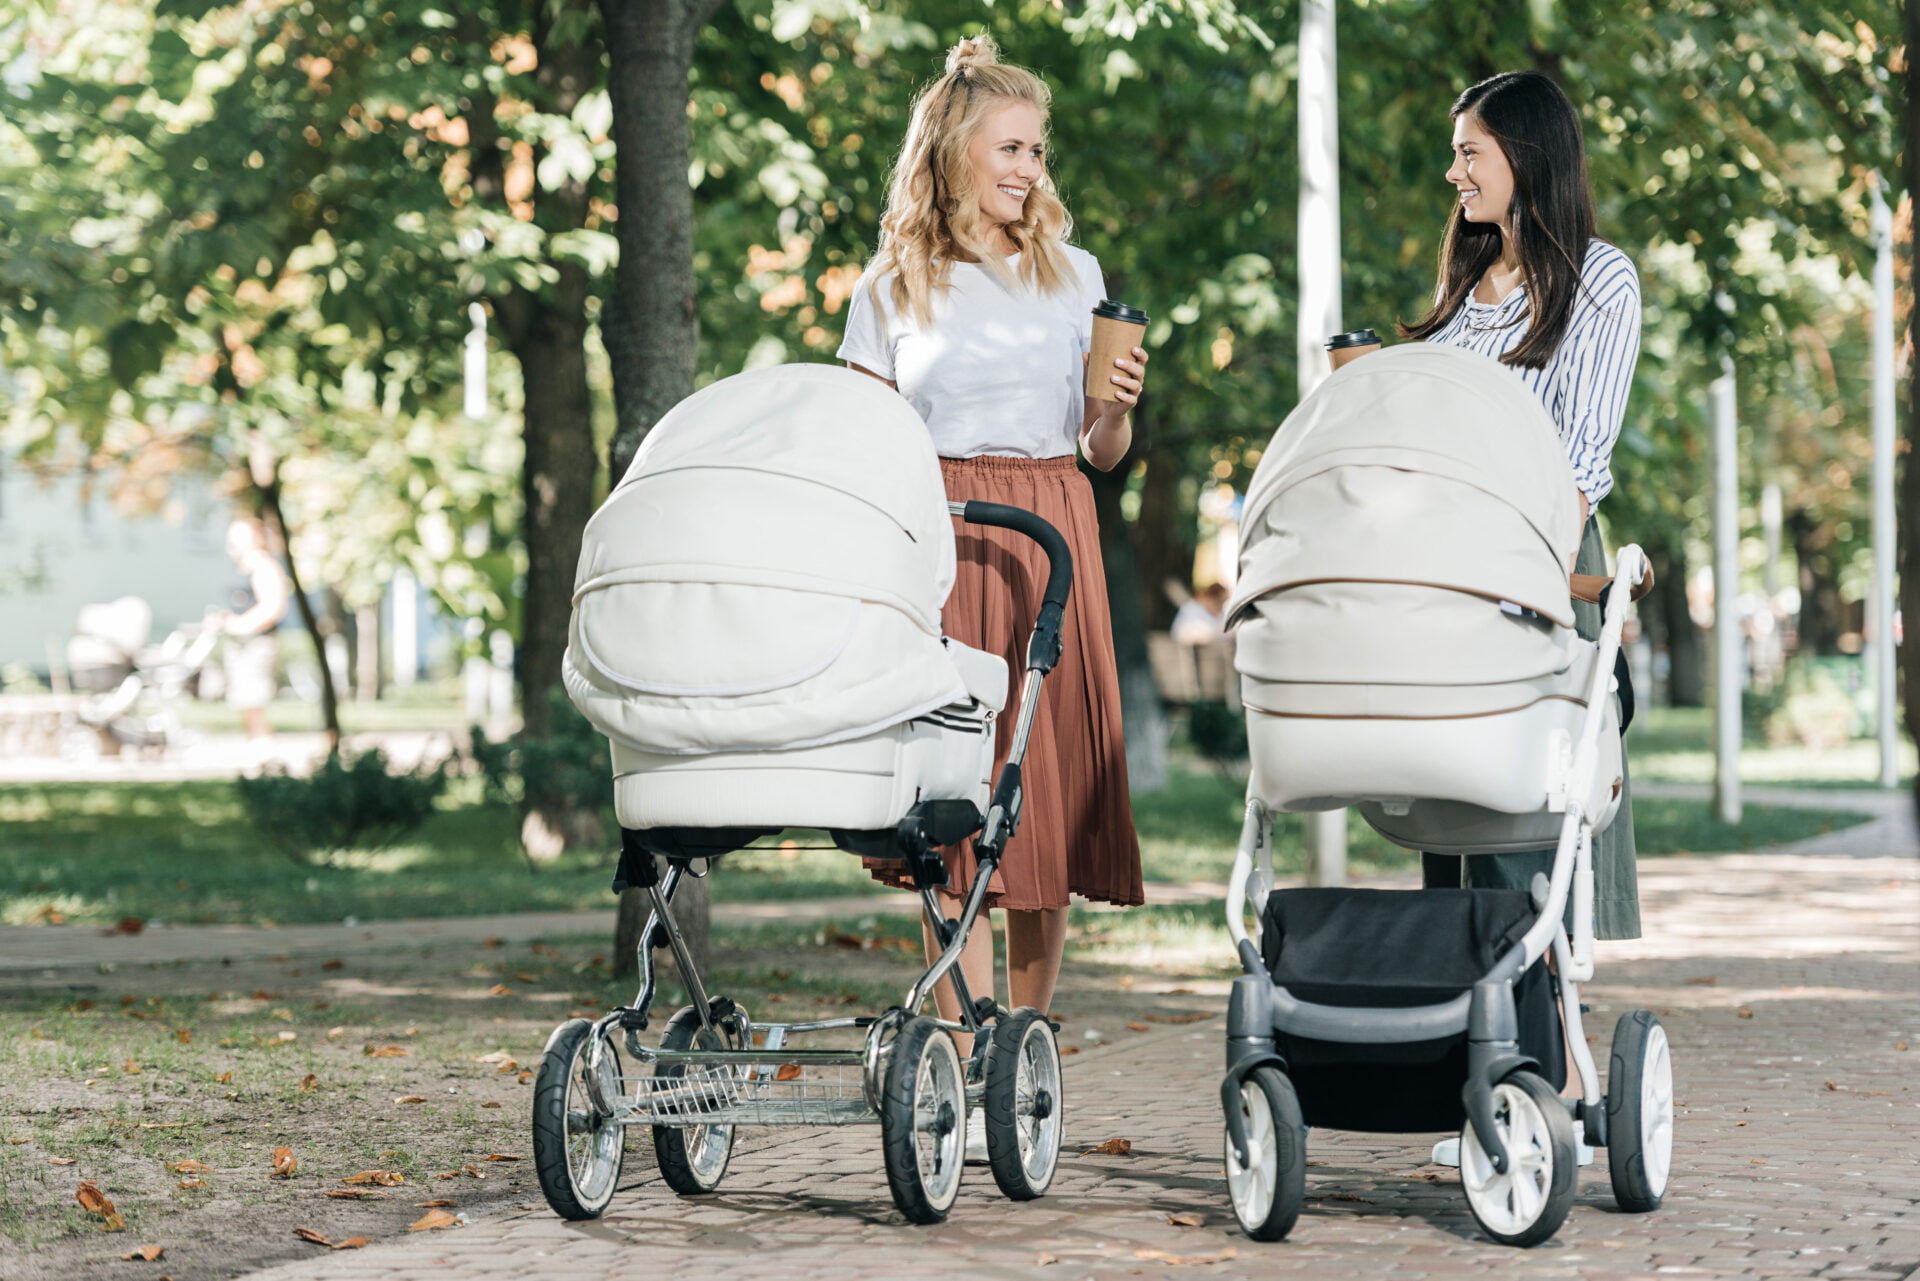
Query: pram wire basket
x=716, y=1070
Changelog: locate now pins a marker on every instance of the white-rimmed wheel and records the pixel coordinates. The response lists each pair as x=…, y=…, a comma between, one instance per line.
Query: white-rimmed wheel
x=692, y=1158
x=577, y=1148
x=923, y=1121
x=1267, y=1191
x=1639, y=1112
x=1026, y=1125
x=1528, y=1202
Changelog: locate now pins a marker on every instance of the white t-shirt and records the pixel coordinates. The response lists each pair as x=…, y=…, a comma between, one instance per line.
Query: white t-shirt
x=997, y=372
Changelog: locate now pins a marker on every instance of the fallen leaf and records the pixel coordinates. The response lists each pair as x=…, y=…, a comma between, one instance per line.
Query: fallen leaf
x=788, y=1072
x=335, y=1033
x=264, y=995
x=283, y=1014
x=501, y=1156
x=47, y=914
x=492, y=942
x=189, y=1167
x=309, y=1083
x=434, y=1219
x=499, y=989
x=498, y=1056
x=346, y=1194
x=1179, y=1260
x=490, y=1104
x=1187, y=1220
x=225, y=1078
x=1758, y=1161
x=384, y=1178
x=129, y=925
x=410, y=1098
x=332, y=965
x=1707, y=980
x=351, y=1243
x=524, y=977
x=507, y=1068
x=184, y=1035
x=284, y=1163
x=1112, y=1147
x=1069, y=1049
x=1194, y=1017
x=92, y=1199
x=192, y=1185
x=1136, y=1027
x=308, y=1234
x=437, y=1203
x=526, y=1077
x=1043, y=1259
x=1181, y=991
x=1744, y=1012
x=62, y=1160
x=1899, y=1045
x=1126, y=982
x=1831, y=1085
x=149, y=1253
x=130, y=1068
x=388, y=1052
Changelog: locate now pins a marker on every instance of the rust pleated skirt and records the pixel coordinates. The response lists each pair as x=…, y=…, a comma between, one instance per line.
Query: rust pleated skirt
x=1076, y=827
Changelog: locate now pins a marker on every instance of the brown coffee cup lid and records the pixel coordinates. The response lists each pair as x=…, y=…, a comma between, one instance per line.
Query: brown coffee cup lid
x=1353, y=338
x=1111, y=310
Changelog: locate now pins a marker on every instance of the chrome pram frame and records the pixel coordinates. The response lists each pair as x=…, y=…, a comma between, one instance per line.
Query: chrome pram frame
x=732, y=1072
x=1260, y=1009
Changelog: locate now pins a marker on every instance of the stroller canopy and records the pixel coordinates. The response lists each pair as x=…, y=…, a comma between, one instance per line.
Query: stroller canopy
x=769, y=572
x=1423, y=464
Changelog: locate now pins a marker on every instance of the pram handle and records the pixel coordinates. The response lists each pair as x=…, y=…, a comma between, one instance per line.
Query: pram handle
x=1043, y=649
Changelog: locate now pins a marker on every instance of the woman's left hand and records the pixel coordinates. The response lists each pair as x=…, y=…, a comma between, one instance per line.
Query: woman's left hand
x=1127, y=378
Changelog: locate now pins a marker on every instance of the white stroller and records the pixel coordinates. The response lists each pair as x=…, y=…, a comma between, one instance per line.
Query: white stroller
x=1406, y=647
x=756, y=627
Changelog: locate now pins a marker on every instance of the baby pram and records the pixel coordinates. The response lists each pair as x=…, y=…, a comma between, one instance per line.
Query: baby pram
x=756, y=628
x=1406, y=647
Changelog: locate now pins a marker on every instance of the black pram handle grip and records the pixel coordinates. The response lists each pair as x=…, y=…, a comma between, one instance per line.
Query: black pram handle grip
x=1043, y=650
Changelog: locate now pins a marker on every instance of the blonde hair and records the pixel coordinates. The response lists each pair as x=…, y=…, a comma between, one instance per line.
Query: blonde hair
x=933, y=208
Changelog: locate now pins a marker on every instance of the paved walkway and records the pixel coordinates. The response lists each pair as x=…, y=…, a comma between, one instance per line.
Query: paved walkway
x=1788, y=984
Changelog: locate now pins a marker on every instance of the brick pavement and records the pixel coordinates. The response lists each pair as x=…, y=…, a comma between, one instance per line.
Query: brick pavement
x=1788, y=984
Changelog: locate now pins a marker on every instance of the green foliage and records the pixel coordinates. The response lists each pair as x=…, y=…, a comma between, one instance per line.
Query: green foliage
x=1819, y=705
x=566, y=771
x=346, y=804
x=1217, y=731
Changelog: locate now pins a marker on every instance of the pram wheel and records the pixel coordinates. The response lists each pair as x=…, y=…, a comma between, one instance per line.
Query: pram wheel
x=693, y=1159
x=1267, y=1192
x=1025, y=1120
x=1528, y=1203
x=577, y=1149
x=923, y=1121
x=1639, y=1112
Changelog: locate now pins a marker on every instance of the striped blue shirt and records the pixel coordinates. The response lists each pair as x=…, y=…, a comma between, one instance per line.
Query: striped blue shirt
x=1584, y=386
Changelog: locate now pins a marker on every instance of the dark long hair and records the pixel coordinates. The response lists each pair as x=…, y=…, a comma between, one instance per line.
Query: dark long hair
x=1550, y=219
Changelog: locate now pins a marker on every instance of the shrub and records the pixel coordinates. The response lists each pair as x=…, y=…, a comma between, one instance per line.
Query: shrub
x=357, y=803
x=1217, y=731
x=565, y=779
x=1817, y=708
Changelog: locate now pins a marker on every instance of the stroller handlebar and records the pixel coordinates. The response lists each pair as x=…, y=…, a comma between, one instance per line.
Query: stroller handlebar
x=1043, y=650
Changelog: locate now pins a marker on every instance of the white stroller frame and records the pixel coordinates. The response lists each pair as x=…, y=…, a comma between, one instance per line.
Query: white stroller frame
x=716, y=1069
x=1518, y=1151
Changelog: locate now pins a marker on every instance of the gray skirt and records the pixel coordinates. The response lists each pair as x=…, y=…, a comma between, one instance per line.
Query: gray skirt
x=1616, y=882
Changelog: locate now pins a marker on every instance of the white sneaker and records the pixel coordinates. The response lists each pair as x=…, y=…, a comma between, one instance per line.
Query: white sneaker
x=977, y=1137
x=1447, y=1152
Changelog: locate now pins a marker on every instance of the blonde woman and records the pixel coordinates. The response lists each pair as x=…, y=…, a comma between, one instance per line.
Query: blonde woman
x=979, y=312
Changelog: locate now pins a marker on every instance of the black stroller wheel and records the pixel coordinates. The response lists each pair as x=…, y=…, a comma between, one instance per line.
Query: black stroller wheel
x=923, y=1121
x=577, y=1149
x=1267, y=1192
x=693, y=1158
x=1639, y=1112
x=1529, y=1201
x=1026, y=1125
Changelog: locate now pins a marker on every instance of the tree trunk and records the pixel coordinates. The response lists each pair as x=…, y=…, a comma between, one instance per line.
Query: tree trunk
x=1142, y=717
x=366, y=655
x=1822, y=612
x=329, y=697
x=1667, y=614
x=1164, y=537
x=650, y=323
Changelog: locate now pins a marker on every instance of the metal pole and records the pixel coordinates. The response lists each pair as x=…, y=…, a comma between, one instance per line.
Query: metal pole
x=1726, y=596
x=1880, y=604
x=1318, y=255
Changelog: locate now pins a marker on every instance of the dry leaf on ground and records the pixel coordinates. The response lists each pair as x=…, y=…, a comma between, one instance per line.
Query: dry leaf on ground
x=1744, y=1012
x=384, y=1178
x=1065, y=1050
x=489, y=1105
x=388, y=1052
x=62, y=1160
x=225, y=1078
x=130, y=1068
x=351, y=1243
x=498, y=1056
x=500, y=1156
x=410, y=1098
x=1112, y=1147
x=184, y=1035
x=1136, y=1027
x=94, y=1201
x=333, y=965
x=1705, y=980
x=284, y=1163
x=499, y=989
x=308, y=1234
x=348, y=1194
x=788, y=1072
x=1178, y=1260
x=434, y=1219
x=147, y=1253
x=1043, y=1259
x=192, y=1185
x=1187, y=1220
x=309, y=1083
x=189, y=1167
x=438, y=1203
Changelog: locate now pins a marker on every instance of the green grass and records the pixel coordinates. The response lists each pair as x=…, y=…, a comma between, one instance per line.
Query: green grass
x=1675, y=744
x=184, y=852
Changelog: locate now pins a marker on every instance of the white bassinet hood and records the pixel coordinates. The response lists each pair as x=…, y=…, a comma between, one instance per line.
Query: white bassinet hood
x=769, y=572
x=1423, y=463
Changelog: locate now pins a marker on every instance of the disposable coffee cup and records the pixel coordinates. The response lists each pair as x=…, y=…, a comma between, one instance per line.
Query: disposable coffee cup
x=1351, y=346
x=1117, y=330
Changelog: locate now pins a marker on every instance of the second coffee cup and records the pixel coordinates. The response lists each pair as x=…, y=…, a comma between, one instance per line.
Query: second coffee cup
x=1352, y=345
x=1117, y=330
